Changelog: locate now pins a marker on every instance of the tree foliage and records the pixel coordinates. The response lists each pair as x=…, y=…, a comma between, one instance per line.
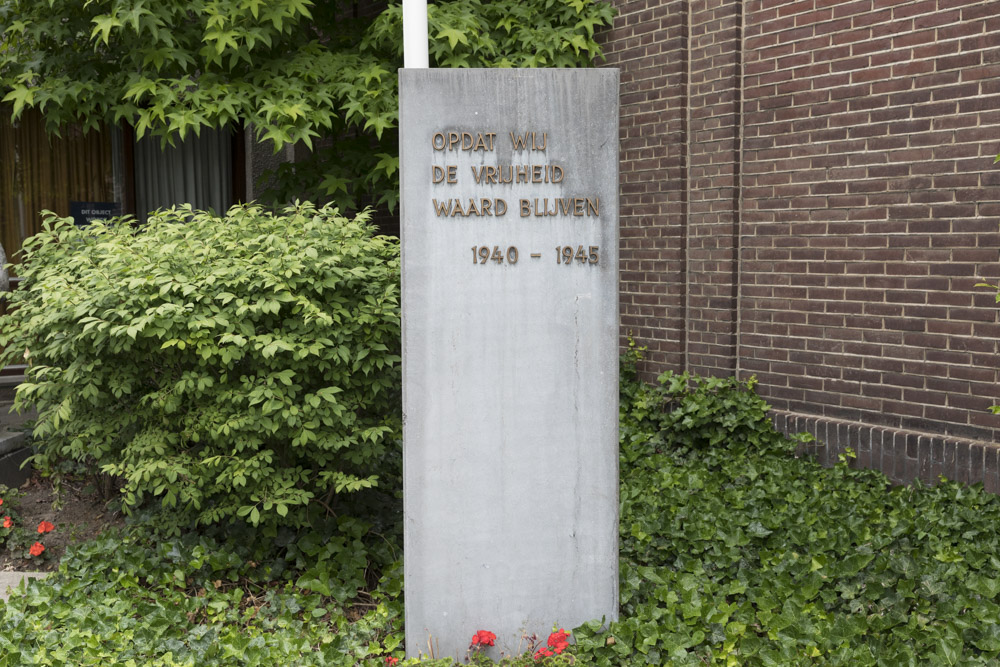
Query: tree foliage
x=296, y=70
x=242, y=366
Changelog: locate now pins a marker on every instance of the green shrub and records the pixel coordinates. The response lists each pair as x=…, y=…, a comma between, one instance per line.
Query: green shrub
x=244, y=365
x=696, y=412
x=688, y=413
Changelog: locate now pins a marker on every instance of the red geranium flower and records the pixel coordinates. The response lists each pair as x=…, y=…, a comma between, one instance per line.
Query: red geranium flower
x=542, y=653
x=559, y=640
x=36, y=549
x=1, y=501
x=45, y=527
x=7, y=523
x=390, y=661
x=483, y=638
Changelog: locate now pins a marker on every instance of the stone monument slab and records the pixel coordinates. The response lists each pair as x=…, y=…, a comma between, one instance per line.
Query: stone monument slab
x=509, y=184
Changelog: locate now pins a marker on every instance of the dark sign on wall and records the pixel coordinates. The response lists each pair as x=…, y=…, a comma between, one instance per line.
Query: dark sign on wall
x=85, y=212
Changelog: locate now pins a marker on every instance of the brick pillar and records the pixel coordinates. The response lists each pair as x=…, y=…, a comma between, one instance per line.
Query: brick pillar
x=713, y=189
x=649, y=43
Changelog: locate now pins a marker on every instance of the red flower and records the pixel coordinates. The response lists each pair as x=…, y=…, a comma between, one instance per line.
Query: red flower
x=7, y=523
x=390, y=661
x=36, y=549
x=559, y=640
x=1, y=501
x=483, y=638
x=542, y=653
x=45, y=527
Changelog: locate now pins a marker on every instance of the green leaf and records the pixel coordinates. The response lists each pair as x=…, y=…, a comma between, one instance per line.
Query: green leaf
x=21, y=96
x=103, y=25
x=454, y=36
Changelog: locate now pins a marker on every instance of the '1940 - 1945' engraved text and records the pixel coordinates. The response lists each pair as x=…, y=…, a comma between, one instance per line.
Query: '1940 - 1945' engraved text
x=566, y=255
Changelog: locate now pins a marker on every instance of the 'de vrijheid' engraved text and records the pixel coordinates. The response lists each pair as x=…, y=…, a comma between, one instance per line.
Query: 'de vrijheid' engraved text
x=512, y=175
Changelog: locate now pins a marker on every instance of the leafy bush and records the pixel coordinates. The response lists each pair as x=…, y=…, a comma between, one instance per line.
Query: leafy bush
x=700, y=412
x=733, y=552
x=236, y=366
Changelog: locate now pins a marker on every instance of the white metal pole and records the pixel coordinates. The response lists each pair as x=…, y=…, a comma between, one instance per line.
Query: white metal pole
x=415, y=34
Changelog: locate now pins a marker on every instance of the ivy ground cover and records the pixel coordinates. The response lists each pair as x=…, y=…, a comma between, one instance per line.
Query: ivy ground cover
x=733, y=552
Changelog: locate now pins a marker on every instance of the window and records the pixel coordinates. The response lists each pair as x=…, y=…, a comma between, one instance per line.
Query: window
x=107, y=172
x=38, y=171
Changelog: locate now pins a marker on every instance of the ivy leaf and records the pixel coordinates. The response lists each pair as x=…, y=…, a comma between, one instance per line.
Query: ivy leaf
x=578, y=42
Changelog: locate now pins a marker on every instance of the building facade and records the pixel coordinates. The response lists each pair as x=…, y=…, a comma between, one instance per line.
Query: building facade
x=809, y=197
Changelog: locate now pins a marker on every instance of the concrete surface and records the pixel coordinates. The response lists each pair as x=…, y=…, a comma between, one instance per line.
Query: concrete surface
x=510, y=389
x=10, y=580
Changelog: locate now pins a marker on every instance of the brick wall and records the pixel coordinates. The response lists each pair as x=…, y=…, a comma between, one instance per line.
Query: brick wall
x=714, y=101
x=649, y=44
x=809, y=196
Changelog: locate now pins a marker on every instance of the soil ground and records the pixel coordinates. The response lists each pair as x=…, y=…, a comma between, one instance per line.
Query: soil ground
x=78, y=515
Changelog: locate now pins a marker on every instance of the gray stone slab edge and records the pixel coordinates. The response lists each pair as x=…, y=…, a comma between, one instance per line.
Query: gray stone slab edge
x=12, y=440
x=11, y=580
